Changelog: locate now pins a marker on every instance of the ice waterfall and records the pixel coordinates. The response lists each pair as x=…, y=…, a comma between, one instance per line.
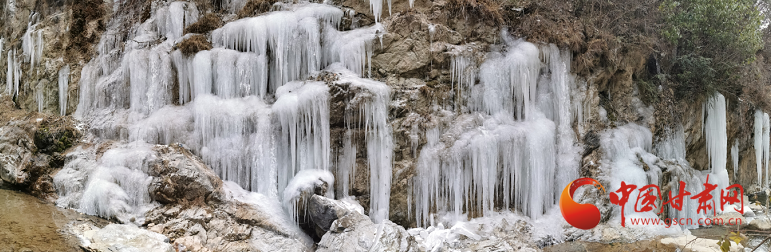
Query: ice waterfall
x=247, y=107
x=506, y=150
x=717, y=141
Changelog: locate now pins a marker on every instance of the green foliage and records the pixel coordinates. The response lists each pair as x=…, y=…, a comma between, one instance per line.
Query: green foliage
x=714, y=38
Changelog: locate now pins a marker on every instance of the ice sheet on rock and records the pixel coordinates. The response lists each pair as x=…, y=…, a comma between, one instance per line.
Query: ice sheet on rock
x=114, y=186
x=303, y=184
x=626, y=151
x=225, y=73
x=510, y=79
x=352, y=48
x=302, y=111
x=521, y=150
x=170, y=124
x=171, y=20
x=266, y=204
x=234, y=137
x=292, y=37
x=672, y=146
x=378, y=136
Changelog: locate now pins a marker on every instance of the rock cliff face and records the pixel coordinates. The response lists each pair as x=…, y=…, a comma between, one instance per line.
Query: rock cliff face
x=425, y=57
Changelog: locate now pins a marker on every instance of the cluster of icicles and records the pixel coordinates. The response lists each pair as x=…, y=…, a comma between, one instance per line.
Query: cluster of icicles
x=246, y=106
x=32, y=53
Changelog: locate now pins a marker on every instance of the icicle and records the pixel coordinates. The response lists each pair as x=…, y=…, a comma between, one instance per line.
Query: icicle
x=758, y=145
x=672, y=147
x=226, y=73
x=173, y=19
x=302, y=186
x=352, y=48
x=717, y=140
x=735, y=158
x=292, y=37
x=64, y=82
x=766, y=148
x=377, y=8
x=346, y=165
x=40, y=97
x=302, y=111
x=149, y=74
x=9, y=74
x=377, y=134
x=464, y=72
x=234, y=138
x=510, y=80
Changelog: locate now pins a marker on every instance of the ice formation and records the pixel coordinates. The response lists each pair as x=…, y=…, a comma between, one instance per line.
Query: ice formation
x=302, y=186
x=517, y=148
x=32, y=43
x=64, y=82
x=245, y=106
x=114, y=186
x=293, y=38
x=303, y=113
x=717, y=140
x=13, y=75
x=374, y=109
x=735, y=157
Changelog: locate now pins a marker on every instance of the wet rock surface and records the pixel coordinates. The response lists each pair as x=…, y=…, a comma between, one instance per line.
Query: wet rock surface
x=123, y=238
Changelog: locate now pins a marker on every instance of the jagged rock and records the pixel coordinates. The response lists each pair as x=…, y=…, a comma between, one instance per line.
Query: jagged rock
x=356, y=232
x=204, y=214
x=760, y=224
x=16, y=150
x=124, y=238
x=180, y=176
x=324, y=211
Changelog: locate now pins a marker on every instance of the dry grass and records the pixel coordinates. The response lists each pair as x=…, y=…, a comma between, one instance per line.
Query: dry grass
x=488, y=11
x=83, y=13
x=205, y=24
x=255, y=7
x=194, y=44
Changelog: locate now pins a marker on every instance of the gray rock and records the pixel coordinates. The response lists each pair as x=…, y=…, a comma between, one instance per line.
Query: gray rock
x=356, y=232
x=125, y=238
x=324, y=211
x=760, y=224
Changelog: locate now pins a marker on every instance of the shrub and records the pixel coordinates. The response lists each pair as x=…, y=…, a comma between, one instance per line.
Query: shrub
x=205, y=24
x=254, y=7
x=715, y=39
x=194, y=44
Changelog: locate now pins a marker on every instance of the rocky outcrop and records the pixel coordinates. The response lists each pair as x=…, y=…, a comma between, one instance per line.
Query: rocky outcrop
x=350, y=230
x=32, y=145
x=121, y=238
x=203, y=214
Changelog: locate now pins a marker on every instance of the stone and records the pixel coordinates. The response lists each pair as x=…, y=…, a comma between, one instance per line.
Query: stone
x=760, y=224
x=697, y=244
x=356, y=232
x=180, y=176
x=323, y=211
x=125, y=238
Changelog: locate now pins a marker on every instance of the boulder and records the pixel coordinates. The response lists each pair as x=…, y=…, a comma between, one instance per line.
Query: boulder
x=124, y=238
x=760, y=224
x=356, y=232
